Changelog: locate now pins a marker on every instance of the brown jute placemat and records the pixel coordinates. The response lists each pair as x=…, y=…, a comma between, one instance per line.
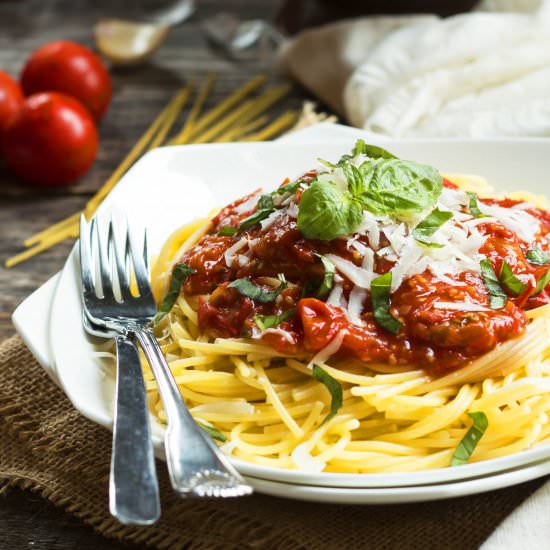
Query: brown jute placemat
x=47, y=447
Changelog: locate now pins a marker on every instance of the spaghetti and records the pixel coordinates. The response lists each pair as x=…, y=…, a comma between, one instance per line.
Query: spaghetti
x=426, y=312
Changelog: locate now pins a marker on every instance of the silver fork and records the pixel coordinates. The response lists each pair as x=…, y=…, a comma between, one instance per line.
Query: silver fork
x=195, y=464
x=133, y=486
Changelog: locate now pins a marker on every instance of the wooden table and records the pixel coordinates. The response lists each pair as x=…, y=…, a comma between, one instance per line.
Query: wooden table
x=27, y=521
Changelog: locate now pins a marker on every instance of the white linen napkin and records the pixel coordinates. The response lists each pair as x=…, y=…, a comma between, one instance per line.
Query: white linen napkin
x=479, y=74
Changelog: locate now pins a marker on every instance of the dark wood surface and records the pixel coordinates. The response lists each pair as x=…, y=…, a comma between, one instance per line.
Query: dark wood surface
x=28, y=521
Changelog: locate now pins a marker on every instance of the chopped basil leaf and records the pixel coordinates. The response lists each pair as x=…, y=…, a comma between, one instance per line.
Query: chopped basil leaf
x=264, y=207
x=380, y=295
x=179, y=274
x=271, y=321
x=287, y=188
x=325, y=212
x=510, y=281
x=250, y=290
x=371, y=151
x=466, y=447
x=542, y=282
x=213, y=432
x=429, y=225
x=497, y=295
x=328, y=279
x=228, y=231
x=398, y=187
x=537, y=256
x=335, y=389
x=474, y=207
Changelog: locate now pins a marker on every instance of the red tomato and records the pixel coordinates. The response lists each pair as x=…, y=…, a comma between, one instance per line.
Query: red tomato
x=72, y=69
x=51, y=140
x=11, y=98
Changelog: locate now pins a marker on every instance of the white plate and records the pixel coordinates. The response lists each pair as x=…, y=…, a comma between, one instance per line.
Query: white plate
x=91, y=393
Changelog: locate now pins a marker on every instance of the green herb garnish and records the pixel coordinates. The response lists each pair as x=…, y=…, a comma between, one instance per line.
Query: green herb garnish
x=228, y=231
x=325, y=212
x=469, y=442
x=542, y=282
x=510, y=281
x=213, y=432
x=271, y=321
x=335, y=389
x=257, y=293
x=264, y=207
x=429, y=225
x=290, y=188
x=537, y=256
x=328, y=279
x=380, y=295
x=497, y=296
x=179, y=275
x=474, y=207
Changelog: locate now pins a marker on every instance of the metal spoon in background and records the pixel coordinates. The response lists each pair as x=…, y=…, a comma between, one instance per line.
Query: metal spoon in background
x=132, y=42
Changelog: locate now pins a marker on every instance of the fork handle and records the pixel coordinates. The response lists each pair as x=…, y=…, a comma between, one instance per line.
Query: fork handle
x=133, y=487
x=189, y=451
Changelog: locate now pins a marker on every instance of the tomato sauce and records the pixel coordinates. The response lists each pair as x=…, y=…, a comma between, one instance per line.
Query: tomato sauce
x=438, y=340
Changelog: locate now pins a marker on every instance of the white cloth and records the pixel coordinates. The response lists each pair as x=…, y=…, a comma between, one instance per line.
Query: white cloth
x=478, y=74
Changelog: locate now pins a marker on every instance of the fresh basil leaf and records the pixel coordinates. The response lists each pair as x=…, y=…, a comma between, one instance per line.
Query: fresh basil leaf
x=469, y=442
x=213, y=432
x=510, y=281
x=325, y=212
x=400, y=187
x=429, y=225
x=264, y=207
x=328, y=279
x=290, y=188
x=228, y=231
x=335, y=389
x=354, y=179
x=474, y=207
x=542, y=282
x=380, y=295
x=496, y=294
x=372, y=151
x=179, y=275
x=258, y=294
x=271, y=321
x=537, y=256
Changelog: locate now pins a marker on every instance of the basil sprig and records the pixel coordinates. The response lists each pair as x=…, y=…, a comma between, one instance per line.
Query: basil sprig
x=289, y=188
x=474, y=207
x=469, y=442
x=328, y=279
x=380, y=295
x=228, y=231
x=247, y=288
x=335, y=389
x=271, y=321
x=371, y=151
x=325, y=212
x=510, y=281
x=179, y=275
x=429, y=225
x=497, y=296
x=537, y=256
x=213, y=432
x=542, y=282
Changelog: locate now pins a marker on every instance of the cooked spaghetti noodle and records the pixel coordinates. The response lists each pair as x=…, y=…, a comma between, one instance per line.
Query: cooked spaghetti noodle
x=254, y=383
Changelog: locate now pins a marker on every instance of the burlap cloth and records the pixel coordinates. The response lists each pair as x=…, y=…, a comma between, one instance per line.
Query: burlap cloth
x=47, y=447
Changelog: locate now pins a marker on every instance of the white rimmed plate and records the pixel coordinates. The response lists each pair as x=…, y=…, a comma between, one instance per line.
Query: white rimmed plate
x=165, y=173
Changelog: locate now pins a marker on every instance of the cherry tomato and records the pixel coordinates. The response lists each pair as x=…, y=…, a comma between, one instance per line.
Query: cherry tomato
x=11, y=98
x=51, y=140
x=72, y=69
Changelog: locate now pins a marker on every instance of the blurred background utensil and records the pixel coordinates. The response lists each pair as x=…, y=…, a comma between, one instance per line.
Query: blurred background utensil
x=133, y=486
x=131, y=42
